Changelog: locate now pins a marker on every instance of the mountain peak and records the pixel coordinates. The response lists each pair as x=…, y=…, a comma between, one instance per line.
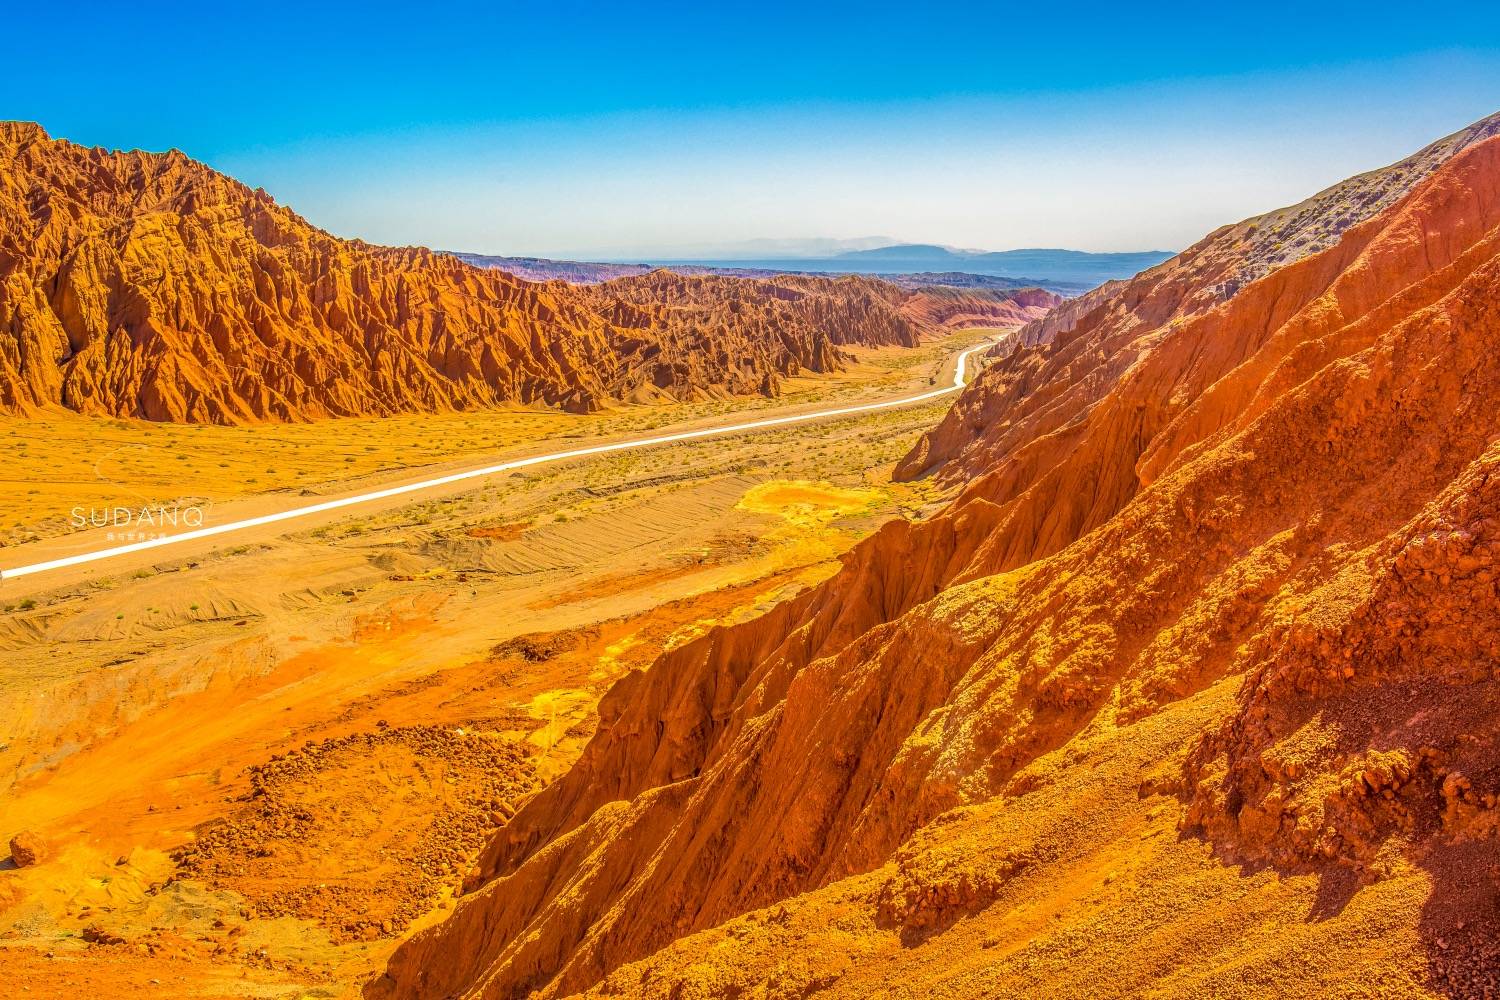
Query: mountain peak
x=15, y=133
x=150, y=285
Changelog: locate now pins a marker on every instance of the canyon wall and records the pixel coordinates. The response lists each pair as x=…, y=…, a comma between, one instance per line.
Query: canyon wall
x=148, y=285
x=1226, y=556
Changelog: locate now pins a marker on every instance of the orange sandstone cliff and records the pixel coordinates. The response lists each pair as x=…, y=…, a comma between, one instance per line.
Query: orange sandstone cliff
x=1192, y=691
x=148, y=285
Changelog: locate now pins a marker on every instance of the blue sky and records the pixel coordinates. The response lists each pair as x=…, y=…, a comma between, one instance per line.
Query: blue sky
x=615, y=129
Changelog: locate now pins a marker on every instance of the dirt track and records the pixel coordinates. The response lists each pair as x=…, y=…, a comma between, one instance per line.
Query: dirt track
x=74, y=557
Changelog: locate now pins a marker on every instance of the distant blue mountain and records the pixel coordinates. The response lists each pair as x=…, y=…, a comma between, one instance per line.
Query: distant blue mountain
x=592, y=273
x=1068, y=272
x=1074, y=268
x=1038, y=264
x=905, y=251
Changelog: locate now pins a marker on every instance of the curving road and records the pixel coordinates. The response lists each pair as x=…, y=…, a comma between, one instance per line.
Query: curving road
x=959, y=381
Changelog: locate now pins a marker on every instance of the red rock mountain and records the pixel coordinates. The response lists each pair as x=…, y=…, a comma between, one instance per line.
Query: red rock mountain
x=148, y=285
x=1192, y=691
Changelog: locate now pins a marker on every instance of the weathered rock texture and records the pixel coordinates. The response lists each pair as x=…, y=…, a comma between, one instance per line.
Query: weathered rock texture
x=1227, y=560
x=148, y=285
x=27, y=848
x=1090, y=340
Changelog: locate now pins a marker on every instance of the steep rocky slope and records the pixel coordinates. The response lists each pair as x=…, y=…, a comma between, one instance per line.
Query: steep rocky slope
x=1002, y=412
x=148, y=285
x=938, y=306
x=1190, y=692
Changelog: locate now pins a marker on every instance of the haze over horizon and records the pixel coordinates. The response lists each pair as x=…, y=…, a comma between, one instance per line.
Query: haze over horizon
x=1130, y=131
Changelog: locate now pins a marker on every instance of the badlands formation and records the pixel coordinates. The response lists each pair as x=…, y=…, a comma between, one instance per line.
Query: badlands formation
x=148, y=285
x=1191, y=691
x=1164, y=662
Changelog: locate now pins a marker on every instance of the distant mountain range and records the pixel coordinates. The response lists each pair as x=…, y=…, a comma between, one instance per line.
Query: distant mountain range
x=775, y=247
x=1040, y=266
x=1071, y=265
x=593, y=272
x=1068, y=272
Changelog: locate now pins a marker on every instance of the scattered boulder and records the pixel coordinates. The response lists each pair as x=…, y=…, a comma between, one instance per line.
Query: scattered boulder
x=27, y=848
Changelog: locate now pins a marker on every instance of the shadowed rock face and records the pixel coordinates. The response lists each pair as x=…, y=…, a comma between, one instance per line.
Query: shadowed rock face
x=148, y=285
x=1286, y=493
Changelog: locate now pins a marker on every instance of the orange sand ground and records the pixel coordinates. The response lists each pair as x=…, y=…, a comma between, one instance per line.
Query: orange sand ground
x=147, y=712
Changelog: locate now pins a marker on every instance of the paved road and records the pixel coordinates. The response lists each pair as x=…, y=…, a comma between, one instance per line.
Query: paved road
x=229, y=527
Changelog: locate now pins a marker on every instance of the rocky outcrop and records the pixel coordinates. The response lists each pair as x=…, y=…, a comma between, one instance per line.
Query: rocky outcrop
x=28, y=848
x=1289, y=492
x=148, y=285
x=945, y=308
x=1088, y=341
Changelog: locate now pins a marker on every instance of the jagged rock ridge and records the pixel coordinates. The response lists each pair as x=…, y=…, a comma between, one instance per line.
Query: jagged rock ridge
x=148, y=285
x=1237, y=560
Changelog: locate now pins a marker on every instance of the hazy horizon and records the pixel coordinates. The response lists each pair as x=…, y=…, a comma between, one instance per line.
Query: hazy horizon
x=631, y=136
x=792, y=248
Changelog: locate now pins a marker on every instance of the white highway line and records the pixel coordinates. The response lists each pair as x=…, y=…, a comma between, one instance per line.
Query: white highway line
x=488, y=470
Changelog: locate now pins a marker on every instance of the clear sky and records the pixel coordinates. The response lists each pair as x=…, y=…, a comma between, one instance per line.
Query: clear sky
x=630, y=128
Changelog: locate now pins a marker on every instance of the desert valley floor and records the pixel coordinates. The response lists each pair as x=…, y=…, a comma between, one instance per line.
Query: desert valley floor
x=439, y=659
